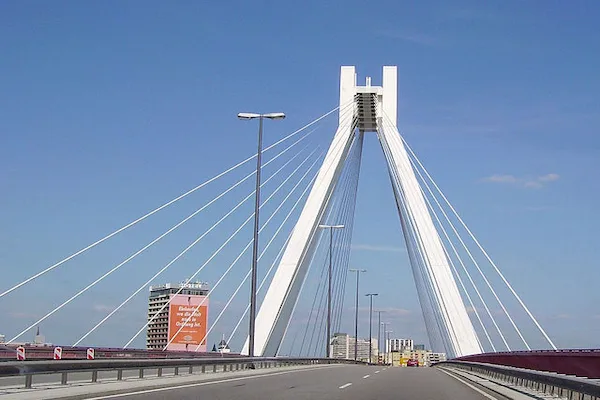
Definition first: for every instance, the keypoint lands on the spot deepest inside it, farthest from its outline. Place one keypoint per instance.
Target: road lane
(346, 382)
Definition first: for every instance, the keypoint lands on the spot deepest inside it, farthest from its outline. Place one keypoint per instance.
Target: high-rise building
(419, 347)
(178, 316)
(399, 345)
(342, 346)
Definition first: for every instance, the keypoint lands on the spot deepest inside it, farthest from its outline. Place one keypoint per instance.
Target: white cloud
(548, 178)
(370, 247)
(499, 178)
(102, 307)
(527, 182)
(416, 38)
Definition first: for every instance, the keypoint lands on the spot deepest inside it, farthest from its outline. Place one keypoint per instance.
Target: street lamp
(331, 228)
(358, 271)
(379, 333)
(371, 324)
(260, 117)
(390, 352)
(385, 324)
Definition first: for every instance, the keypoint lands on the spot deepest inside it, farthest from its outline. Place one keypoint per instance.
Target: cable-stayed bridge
(469, 306)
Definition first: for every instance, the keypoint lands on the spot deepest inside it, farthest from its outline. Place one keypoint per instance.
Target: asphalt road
(346, 382)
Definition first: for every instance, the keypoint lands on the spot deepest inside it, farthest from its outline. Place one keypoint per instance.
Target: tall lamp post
(331, 228)
(371, 324)
(390, 352)
(385, 324)
(358, 271)
(260, 117)
(379, 333)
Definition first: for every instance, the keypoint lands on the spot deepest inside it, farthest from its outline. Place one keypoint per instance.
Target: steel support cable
(311, 239)
(274, 262)
(343, 254)
(430, 282)
(454, 269)
(277, 258)
(157, 239)
(338, 147)
(337, 219)
(319, 309)
(250, 243)
(459, 258)
(143, 286)
(346, 261)
(432, 318)
(484, 252)
(353, 126)
(206, 263)
(143, 217)
(342, 192)
(449, 323)
(345, 118)
(349, 162)
(476, 265)
(322, 280)
(462, 326)
(250, 217)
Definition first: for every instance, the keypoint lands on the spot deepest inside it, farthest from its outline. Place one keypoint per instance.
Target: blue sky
(108, 109)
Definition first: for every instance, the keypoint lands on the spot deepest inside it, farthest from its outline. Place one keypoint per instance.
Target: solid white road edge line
(189, 385)
(489, 396)
(345, 386)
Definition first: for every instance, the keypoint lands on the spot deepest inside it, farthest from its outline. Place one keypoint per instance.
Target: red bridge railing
(578, 362)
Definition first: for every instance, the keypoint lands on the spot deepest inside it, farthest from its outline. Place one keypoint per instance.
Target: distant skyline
(109, 109)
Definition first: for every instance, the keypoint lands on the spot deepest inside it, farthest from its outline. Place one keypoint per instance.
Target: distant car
(412, 363)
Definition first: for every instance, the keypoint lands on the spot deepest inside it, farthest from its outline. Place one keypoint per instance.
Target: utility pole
(328, 341)
(371, 325)
(358, 271)
(379, 334)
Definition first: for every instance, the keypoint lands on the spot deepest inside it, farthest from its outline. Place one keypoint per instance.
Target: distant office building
(169, 307)
(419, 347)
(2, 339)
(342, 346)
(399, 345)
(435, 357)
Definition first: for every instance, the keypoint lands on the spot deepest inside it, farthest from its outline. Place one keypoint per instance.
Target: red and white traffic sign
(21, 353)
(90, 354)
(58, 353)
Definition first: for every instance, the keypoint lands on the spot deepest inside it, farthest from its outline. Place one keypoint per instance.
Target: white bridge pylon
(371, 109)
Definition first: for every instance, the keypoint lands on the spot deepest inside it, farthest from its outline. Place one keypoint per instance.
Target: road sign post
(90, 354)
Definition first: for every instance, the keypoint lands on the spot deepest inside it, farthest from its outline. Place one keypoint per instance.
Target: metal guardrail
(546, 382)
(28, 369)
